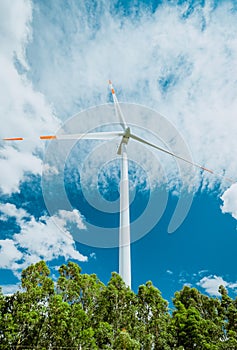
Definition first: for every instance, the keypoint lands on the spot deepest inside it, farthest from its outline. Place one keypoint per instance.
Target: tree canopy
(77, 311)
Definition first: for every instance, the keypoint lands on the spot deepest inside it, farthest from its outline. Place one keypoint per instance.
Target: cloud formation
(24, 111)
(229, 199)
(57, 61)
(212, 283)
(182, 65)
(40, 239)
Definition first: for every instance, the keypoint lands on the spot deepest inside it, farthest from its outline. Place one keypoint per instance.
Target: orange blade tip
(48, 137)
(13, 139)
(210, 171)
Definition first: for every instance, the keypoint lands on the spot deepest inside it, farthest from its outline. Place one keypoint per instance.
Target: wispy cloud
(93, 256)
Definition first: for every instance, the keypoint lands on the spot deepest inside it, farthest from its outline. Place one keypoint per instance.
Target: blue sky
(173, 59)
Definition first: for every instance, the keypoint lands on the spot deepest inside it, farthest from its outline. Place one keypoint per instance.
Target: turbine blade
(13, 139)
(139, 139)
(90, 136)
(48, 137)
(119, 152)
(107, 135)
(118, 110)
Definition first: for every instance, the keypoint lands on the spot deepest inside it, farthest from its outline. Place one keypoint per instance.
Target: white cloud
(202, 272)
(183, 67)
(232, 285)
(9, 254)
(24, 111)
(14, 24)
(8, 210)
(211, 284)
(38, 239)
(73, 216)
(93, 255)
(14, 163)
(9, 289)
(229, 199)
(50, 170)
(180, 67)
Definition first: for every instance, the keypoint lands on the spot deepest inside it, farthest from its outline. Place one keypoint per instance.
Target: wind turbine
(125, 135)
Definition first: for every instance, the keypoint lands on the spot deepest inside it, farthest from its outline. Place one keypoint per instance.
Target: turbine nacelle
(124, 140)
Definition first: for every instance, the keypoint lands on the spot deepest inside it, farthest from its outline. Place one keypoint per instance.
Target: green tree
(229, 315)
(117, 304)
(123, 341)
(79, 311)
(104, 335)
(79, 288)
(197, 319)
(155, 330)
(25, 312)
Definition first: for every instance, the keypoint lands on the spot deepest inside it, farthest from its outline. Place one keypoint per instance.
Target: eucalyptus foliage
(77, 311)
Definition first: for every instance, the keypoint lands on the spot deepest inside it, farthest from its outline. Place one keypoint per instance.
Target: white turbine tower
(124, 225)
(125, 135)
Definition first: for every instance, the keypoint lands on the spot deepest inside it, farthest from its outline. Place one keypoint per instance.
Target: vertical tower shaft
(124, 229)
